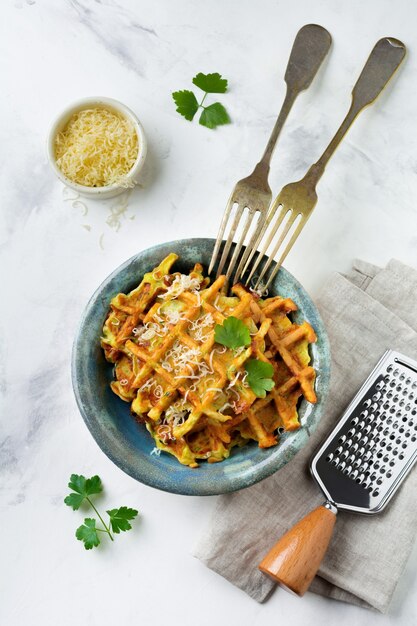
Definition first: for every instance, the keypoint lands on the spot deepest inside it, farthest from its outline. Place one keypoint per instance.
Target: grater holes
(376, 436)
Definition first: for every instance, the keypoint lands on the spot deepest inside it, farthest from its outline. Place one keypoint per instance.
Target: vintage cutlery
(296, 201)
(253, 193)
(359, 467)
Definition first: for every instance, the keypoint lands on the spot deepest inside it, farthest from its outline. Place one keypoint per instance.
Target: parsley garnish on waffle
(192, 393)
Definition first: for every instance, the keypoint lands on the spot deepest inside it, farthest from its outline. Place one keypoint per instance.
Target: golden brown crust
(190, 391)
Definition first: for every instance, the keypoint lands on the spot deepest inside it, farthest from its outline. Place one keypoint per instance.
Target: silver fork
(310, 47)
(296, 201)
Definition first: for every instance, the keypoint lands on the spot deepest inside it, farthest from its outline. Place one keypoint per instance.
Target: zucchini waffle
(191, 392)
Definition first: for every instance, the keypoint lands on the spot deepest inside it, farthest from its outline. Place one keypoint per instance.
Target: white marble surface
(53, 52)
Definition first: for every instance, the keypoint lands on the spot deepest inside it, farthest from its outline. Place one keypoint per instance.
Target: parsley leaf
(210, 83)
(232, 334)
(259, 376)
(88, 533)
(83, 487)
(119, 518)
(186, 102)
(214, 115)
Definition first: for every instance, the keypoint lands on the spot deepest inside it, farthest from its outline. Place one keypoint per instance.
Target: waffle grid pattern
(179, 400)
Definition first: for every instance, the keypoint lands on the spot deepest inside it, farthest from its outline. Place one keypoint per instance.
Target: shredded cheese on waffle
(193, 394)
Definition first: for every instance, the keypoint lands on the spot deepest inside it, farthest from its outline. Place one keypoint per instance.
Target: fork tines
(285, 224)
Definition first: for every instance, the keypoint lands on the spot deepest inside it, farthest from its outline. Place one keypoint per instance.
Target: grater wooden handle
(295, 558)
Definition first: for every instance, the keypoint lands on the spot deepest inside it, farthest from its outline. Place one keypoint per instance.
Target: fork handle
(381, 65)
(309, 49)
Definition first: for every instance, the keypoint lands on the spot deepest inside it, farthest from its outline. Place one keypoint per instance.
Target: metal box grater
(359, 467)
(374, 445)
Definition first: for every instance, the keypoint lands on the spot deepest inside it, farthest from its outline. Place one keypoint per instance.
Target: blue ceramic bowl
(127, 443)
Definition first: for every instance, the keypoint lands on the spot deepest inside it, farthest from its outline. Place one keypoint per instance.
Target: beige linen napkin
(365, 312)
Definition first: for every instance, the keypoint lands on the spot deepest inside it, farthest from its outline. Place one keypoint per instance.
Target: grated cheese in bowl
(97, 147)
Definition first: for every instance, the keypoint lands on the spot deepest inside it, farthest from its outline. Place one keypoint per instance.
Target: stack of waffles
(191, 392)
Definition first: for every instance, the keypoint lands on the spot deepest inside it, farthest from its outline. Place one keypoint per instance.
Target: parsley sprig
(212, 115)
(259, 376)
(82, 490)
(233, 334)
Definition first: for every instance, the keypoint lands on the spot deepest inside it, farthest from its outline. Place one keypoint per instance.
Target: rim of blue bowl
(247, 465)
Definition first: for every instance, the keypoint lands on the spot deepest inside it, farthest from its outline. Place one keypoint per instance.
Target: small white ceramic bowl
(110, 190)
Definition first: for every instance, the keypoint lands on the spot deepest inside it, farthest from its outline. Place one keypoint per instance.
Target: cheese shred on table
(96, 148)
